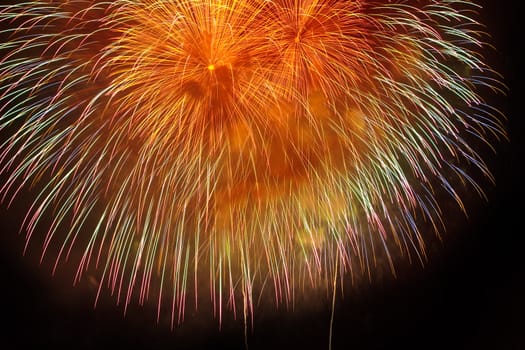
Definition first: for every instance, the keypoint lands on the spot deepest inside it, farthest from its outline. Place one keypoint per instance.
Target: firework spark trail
(255, 142)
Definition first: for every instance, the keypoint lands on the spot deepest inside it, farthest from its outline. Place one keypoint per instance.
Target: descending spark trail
(182, 145)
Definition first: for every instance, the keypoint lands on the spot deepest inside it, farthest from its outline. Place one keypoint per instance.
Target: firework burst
(238, 144)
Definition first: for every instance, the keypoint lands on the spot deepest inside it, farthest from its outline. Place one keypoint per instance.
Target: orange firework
(256, 142)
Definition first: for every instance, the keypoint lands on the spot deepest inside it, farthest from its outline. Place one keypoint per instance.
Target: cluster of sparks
(236, 146)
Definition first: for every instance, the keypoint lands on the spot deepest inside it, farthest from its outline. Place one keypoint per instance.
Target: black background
(471, 297)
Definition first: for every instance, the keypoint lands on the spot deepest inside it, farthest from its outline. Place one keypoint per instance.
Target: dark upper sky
(469, 298)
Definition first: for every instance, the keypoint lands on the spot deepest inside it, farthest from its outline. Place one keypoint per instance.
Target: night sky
(470, 295)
